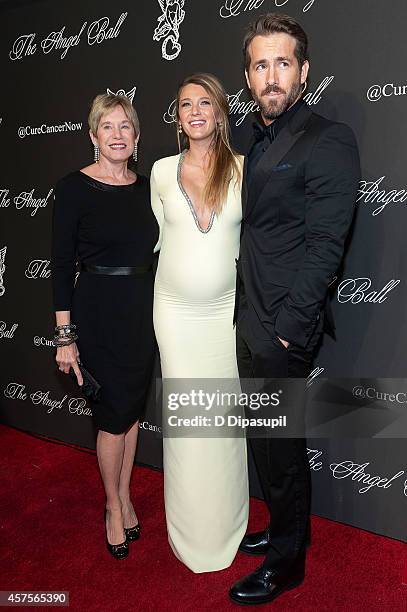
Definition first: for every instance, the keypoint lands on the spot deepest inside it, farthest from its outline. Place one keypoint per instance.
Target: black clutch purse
(90, 387)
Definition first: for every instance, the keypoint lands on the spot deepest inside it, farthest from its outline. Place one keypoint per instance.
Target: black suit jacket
(296, 216)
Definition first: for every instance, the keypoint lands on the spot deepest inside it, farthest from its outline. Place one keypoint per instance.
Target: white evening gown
(205, 479)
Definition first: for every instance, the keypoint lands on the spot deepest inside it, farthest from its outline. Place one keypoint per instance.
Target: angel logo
(121, 92)
(2, 269)
(168, 27)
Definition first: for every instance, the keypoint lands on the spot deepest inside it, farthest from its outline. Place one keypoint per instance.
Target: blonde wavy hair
(223, 163)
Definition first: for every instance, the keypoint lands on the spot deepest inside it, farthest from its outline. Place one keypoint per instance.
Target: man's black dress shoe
(256, 543)
(264, 585)
(259, 543)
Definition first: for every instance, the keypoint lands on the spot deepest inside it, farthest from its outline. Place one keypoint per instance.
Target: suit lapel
(244, 180)
(284, 141)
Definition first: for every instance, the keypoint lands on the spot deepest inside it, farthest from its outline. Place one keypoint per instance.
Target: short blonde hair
(103, 103)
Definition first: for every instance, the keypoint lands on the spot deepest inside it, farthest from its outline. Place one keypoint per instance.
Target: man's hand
(283, 342)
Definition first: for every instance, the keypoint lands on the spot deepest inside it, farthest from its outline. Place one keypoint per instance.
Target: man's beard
(272, 109)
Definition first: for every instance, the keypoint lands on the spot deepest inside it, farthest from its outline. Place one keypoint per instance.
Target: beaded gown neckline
(188, 199)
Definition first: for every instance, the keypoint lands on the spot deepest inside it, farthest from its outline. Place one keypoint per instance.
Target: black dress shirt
(265, 135)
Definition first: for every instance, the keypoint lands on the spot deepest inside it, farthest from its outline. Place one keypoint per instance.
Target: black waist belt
(116, 270)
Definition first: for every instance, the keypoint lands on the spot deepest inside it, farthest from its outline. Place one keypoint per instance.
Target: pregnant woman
(196, 197)
(103, 219)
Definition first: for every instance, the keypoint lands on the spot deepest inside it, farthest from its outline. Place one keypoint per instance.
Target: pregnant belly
(190, 280)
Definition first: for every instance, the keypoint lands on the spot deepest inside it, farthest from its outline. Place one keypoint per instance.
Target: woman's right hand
(67, 358)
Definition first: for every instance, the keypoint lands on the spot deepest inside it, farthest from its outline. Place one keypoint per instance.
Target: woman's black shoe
(132, 533)
(118, 551)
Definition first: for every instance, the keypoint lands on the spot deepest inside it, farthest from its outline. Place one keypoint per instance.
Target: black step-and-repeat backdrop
(55, 57)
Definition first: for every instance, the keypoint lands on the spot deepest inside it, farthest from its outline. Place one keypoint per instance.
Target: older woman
(103, 219)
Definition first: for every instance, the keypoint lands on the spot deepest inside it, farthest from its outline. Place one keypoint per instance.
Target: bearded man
(301, 177)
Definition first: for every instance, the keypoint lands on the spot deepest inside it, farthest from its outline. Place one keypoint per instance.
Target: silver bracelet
(58, 341)
(64, 330)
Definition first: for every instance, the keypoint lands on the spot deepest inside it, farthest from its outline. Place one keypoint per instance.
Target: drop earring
(179, 128)
(96, 153)
(135, 151)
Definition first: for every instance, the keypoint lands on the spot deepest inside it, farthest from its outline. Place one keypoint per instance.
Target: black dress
(108, 225)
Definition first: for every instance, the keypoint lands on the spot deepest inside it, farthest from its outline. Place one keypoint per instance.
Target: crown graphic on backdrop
(121, 92)
(2, 269)
(168, 27)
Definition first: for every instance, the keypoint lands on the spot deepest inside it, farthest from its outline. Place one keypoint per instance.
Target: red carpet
(52, 538)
